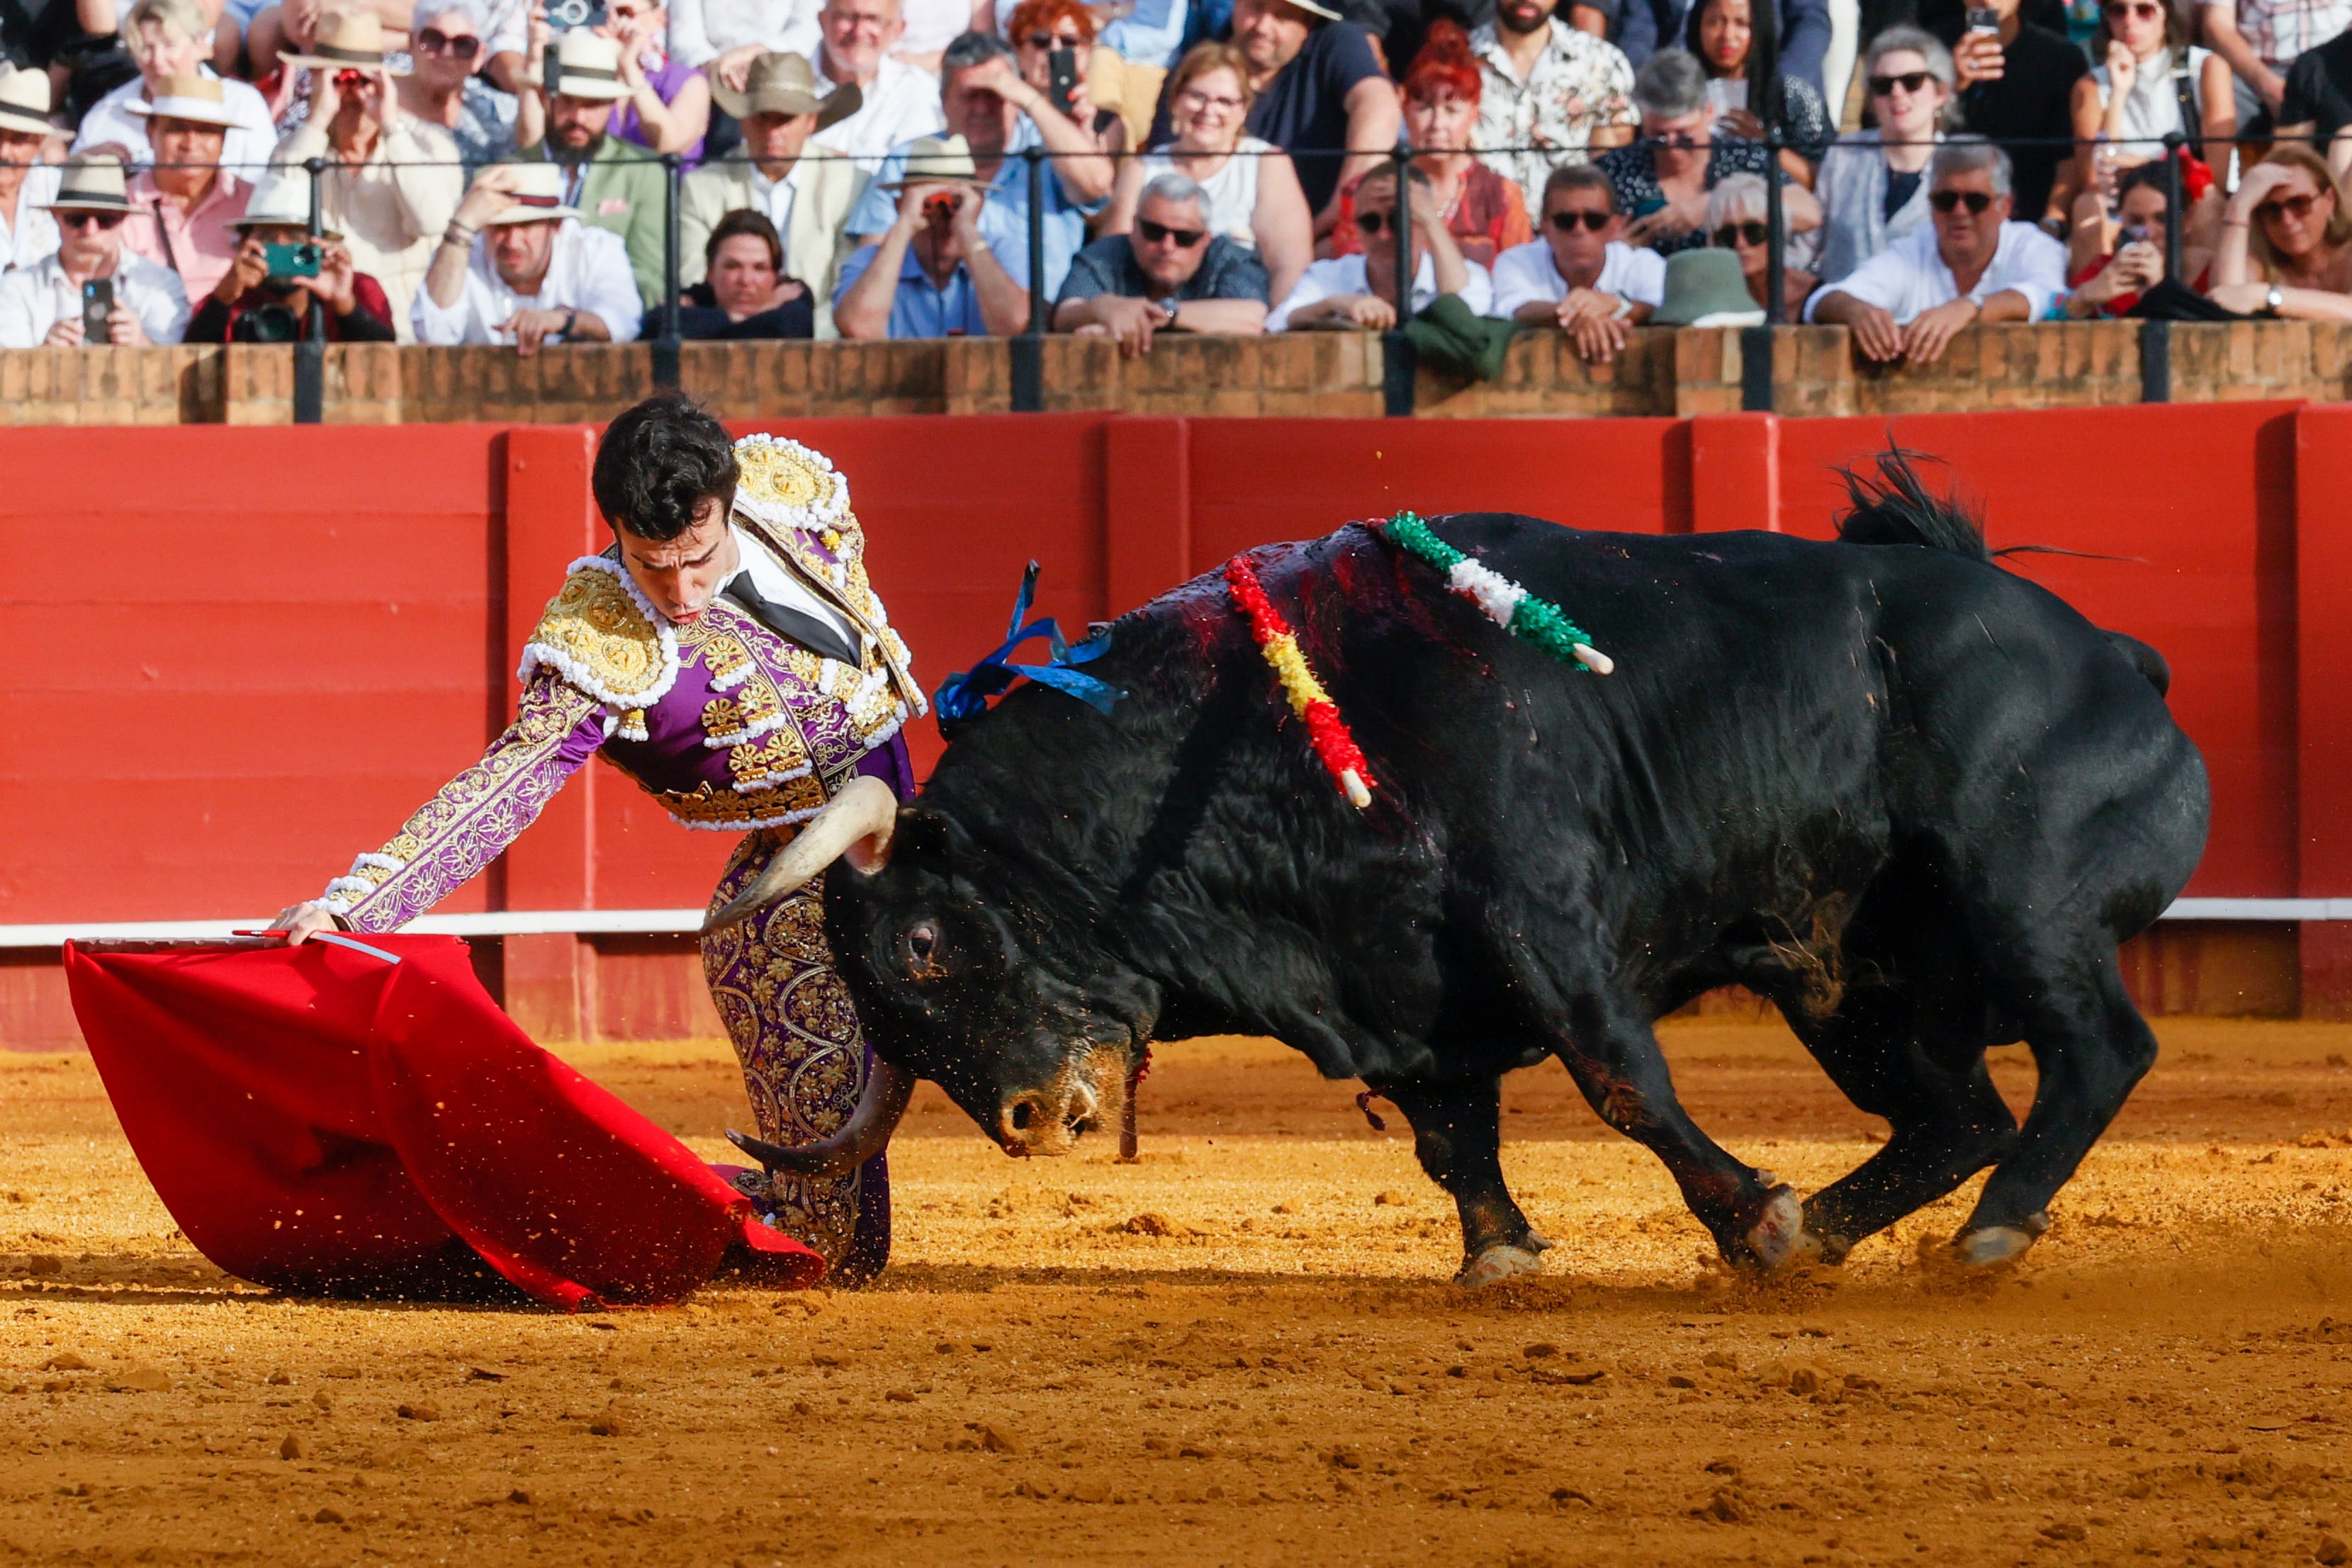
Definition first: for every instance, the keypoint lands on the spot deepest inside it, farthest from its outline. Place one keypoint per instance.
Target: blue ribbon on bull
(963, 697)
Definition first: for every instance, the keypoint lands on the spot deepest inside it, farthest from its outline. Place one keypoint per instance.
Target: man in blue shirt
(998, 117)
(934, 272)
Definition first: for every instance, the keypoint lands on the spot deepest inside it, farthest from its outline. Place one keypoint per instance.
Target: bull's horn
(856, 823)
(862, 1137)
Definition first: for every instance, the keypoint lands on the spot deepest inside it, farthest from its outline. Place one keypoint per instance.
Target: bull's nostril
(1021, 1113)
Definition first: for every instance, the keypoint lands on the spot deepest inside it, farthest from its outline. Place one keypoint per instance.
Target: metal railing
(1027, 348)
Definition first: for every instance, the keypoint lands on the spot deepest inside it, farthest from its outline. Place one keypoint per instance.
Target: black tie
(811, 632)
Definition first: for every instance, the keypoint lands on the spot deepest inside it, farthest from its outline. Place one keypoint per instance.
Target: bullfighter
(728, 654)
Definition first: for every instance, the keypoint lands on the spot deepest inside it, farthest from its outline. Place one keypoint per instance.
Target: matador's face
(681, 576)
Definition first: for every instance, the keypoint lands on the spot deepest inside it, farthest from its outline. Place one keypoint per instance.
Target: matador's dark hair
(659, 462)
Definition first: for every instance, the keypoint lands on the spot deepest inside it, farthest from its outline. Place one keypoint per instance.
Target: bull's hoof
(1777, 1239)
(1990, 1245)
(1499, 1263)
(1537, 1241)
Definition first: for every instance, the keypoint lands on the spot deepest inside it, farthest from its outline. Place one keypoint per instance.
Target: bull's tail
(1895, 509)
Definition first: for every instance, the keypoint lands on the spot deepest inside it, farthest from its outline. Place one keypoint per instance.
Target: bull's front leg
(1617, 1063)
(1457, 1132)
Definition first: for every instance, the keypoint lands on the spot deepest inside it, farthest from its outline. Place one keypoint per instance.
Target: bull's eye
(919, 945)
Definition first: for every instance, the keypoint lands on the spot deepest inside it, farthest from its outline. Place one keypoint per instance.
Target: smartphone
(97, 305)
(2130, 233)
(1064, 64)
(292, 260)
(1983, 19)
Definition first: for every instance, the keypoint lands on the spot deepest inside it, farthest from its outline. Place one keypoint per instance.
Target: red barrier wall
(239, 656)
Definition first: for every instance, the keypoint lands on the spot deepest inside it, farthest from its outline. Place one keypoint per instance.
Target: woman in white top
(1250, 192)
(1872, 184)
(2134, 98)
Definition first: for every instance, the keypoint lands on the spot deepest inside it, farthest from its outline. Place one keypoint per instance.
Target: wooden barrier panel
(244, 655)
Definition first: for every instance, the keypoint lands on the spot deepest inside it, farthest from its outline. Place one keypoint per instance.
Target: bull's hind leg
(1457, 1132)
(2090, 1047)
(1947, 1120)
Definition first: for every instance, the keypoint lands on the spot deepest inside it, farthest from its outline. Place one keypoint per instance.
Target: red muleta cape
(324, 1121)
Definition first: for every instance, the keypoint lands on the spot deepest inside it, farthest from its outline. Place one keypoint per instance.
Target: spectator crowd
(503, 171)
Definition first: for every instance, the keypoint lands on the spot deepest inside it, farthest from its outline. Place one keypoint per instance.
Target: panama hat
(25, 100)
(279, 203)
(537, 196)
(346, 40)
(1315, 8)
(783, 84)
(89, 183)
(1707, 289)
(588, 65)
(936, 160)
(198, 99)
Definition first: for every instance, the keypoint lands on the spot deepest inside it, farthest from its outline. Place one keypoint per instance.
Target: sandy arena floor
(1270, 1369)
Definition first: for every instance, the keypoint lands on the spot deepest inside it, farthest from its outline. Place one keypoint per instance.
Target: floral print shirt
(1580, 84)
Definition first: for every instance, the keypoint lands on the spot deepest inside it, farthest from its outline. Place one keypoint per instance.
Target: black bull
(1915, 800)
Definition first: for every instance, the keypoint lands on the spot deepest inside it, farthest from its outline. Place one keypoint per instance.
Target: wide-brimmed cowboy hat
(25, 100)
(936, 160)
(783, 84)
(588, 65)
(280, 202)
(1706, 288)
(198, 99)
(89, 183)
(538, 196)
(346, 40)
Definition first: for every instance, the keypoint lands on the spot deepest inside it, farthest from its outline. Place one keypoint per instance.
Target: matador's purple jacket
(732, 728)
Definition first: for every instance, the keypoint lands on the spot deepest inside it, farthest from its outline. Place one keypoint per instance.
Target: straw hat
(588, 65)
(198, 99)
(537, 196)
(89, 183)
(346, 40)
(783, 84)
(25, 100)
(278, 202)
(1707, 289)
(936, 160)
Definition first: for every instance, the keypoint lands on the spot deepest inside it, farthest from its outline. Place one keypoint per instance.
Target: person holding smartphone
(265, 297)
(94, 291)
(2017, 81)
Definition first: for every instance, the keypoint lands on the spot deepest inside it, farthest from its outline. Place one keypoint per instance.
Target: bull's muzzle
(1050, 1119)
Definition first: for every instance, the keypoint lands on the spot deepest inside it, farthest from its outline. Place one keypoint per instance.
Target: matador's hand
(303, 921)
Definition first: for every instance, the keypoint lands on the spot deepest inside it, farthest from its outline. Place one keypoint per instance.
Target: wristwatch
(1169, 305)
(2274, 301)
(571, 320)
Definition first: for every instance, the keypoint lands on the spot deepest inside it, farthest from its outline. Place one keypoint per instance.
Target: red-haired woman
(1039, 27)
(1484, 211)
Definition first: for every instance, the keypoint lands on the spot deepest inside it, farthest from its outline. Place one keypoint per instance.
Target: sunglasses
(1909, 81)
(2116, 10)
(1371, 222)
(1946, 200)
(1730, 235)
(99, 220)
(434, 42)
(1594, 222)
(1056, 41)
(2296, 207)
(1161, 234)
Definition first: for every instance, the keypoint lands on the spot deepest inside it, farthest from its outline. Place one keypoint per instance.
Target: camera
(563, 15)
(270, 323)
(293, 260)
(2131, 234)
(940, 208)
(348, 80)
